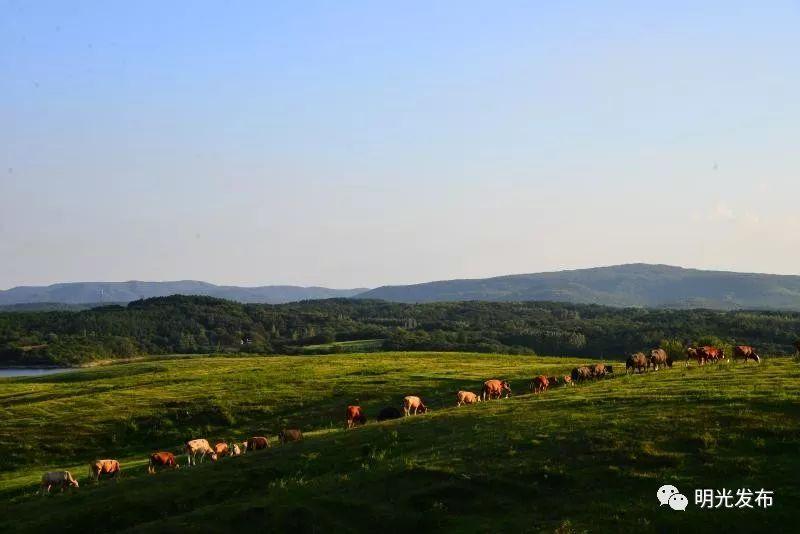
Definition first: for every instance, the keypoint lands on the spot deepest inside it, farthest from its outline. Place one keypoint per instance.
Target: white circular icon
(665, 492)
(678, 502)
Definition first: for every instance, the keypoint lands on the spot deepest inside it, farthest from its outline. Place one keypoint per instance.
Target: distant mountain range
(122, 292)
(637, 285)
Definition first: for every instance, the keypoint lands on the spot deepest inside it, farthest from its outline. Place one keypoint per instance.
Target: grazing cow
(746, 352)
(289, 434)
(221, 449)
(599, 370)
(554, 380)
(466, 397)
(540, 384)
(195, 447)
(104, 467)
(257, 443)
(355, 416)
(161, 459)
(493, 389)
(658, 357)
(59, 479)
(412, 402)
(637, 362)
(389, 412)
(581, 373)
(711, 354)
(693, 353)
(567, 379)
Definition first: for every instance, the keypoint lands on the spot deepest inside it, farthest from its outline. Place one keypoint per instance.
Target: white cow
(59, 479)
(195, 447)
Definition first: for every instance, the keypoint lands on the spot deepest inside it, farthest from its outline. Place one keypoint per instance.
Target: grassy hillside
(652, 286)
(584, 458)
(126, 408)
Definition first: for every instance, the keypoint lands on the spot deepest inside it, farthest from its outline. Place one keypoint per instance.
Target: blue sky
(363, 143)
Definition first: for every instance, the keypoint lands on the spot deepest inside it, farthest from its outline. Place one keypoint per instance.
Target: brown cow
(104, 467)
(637, 362)
(466, 397)
(290, 434)
(692, 353)
(554, 380)
(567, 379)
(581, 373)
(412, 402)
(746, 352)
(540, 384)
(711, 354)
(355, 416)
(599, 370)
(238, 450)
(161, 459)
(658, 357)
(221, 449)
(493, 389)
(60, 479)
(257, 443)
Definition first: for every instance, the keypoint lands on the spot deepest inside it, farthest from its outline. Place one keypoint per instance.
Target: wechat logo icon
(671, 496)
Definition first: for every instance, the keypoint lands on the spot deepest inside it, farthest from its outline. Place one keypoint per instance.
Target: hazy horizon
(267, 284)
(363, 145)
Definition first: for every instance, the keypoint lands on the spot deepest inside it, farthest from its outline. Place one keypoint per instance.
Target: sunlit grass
(591, 455)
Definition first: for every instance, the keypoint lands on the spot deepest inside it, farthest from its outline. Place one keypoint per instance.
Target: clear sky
(366, 143)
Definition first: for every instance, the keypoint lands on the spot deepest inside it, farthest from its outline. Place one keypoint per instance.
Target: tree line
(193, 324)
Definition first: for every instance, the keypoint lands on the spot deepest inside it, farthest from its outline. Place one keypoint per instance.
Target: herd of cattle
(197, 449)
(702, 355)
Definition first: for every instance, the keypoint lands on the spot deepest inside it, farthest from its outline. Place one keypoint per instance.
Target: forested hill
(180, 324)
(652, 286)
(123, 292)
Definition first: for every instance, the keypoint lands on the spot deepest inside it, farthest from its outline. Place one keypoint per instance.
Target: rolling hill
(122, 292)
(587, 458)
(632, 285)
(639, 285)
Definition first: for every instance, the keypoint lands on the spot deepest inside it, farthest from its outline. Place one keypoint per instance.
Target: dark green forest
(189, 325)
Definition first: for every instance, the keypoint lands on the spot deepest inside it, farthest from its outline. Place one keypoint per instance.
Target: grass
(587, 458)
(363, 345)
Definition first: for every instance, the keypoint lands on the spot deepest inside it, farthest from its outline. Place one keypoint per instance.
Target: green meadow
(587, 458)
